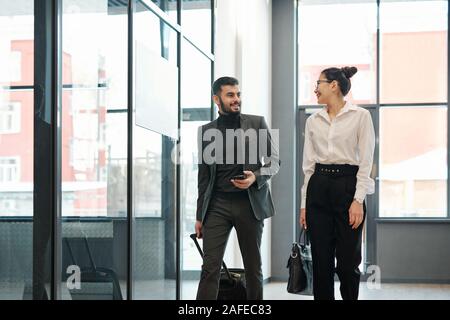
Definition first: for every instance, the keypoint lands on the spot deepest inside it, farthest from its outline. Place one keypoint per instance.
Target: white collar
(348, 106)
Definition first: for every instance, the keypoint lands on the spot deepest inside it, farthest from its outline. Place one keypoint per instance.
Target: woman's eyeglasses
(319, 81)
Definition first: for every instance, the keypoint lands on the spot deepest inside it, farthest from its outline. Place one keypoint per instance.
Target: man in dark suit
(233, 145)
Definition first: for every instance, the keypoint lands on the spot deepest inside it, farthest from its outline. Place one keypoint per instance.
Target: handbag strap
(303, 238)
(294, 251)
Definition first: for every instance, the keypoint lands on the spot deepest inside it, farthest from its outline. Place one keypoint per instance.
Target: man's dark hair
(224, 81)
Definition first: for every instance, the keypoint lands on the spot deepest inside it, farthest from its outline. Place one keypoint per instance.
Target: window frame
(377, 107)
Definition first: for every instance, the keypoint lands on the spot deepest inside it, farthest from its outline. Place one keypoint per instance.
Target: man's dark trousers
(228, 210)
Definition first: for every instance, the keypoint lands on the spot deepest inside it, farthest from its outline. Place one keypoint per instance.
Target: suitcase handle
(194, 237)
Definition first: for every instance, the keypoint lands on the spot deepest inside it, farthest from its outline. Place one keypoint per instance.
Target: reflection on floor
(165, 290)
(388, 291)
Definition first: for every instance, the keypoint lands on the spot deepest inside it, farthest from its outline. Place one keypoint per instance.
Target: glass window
(195, 79)
(16, 148)
(116, 169)
(9, 170)
(12, 66)
(196, 22)
(154, 170)
(413, 53)
(196, 107)
(93, 60)
(155, 35)
(10, 118)
(168, 6)
(147, 173)
(94, 71)
(413, 162)
(191, 260)
(339, 33)
(156, 79)
(16, 66)
(154, 188)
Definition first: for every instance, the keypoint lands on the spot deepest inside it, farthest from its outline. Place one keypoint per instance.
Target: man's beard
(227, 110)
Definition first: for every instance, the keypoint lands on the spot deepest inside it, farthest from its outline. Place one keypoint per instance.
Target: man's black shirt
(226, 171)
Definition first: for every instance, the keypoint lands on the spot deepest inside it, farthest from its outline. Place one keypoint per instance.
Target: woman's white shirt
(347, 139)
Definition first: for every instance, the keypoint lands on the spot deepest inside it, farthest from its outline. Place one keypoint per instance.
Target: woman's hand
(356, 214)
(303, 218)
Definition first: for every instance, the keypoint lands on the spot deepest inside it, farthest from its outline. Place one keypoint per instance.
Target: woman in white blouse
(337, 161)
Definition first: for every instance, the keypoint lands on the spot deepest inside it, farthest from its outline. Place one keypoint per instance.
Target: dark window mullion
(130, 122)
(47, 161)
(57, 153)
(448, 113)
(178, 222)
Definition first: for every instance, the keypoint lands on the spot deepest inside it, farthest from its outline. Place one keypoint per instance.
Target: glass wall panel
(196, 108)
(16, 148)
(195, 82)
(156, 102)
(413, 162)
(337, 34)
(196, 22)
(154, 217)
(155, 35)
(168, 6)
(94, 149)
(154, 173)
(191, 260)
(413, 53)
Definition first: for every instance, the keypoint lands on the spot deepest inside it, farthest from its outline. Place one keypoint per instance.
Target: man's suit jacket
(259, 192)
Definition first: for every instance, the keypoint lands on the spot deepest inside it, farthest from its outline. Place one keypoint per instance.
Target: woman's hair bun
(349, 71)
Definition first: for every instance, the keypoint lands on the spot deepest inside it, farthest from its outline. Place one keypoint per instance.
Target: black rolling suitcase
(232, 281)
(97, 283)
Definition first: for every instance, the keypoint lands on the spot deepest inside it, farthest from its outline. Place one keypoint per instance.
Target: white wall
(243, 49)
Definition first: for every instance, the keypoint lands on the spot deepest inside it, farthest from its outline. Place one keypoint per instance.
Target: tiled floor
(388, 291)
(165, 290)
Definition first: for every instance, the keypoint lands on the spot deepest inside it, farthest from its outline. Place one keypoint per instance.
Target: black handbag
(300, 266)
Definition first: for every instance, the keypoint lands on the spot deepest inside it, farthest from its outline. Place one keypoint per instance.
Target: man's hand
(198, 229)
(356, 214)
(303, 218)
(245, 183)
